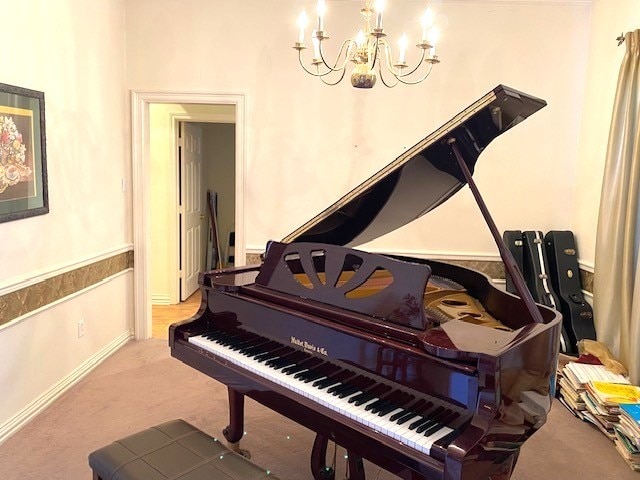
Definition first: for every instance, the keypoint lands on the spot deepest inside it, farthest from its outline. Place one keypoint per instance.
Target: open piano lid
(420, 179)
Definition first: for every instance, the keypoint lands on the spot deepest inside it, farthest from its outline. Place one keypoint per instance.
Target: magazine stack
(606, 400)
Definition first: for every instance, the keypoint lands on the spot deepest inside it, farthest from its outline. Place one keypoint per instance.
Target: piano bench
(174, 450)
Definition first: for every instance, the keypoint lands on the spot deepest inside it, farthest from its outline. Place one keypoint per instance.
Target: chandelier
(368, 50)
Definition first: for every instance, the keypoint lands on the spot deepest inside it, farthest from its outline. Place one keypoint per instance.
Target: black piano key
(361, 384)
(307, 364)
(418, 422)
(441, 423)
(425, 419)
(396, 399)
(374, 392)
(428, 425)
(332, 379)
(383, 400)
(249, 342)
(410, 411)
(262, 348)
(347, 387)
(281, 360)
(321, 371)
(277, 352)
(250, 349)
(449, 437)
(431, 419)
(337, 388)
(348, 391)
(388, 409)
(406, 417)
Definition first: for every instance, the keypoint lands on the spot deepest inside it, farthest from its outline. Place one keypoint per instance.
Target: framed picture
(23, 158)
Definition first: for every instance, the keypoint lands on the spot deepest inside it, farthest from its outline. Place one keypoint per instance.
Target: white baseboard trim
(28, 413)
(160, 299)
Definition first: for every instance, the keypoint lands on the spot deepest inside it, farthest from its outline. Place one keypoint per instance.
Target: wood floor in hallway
(164, 315)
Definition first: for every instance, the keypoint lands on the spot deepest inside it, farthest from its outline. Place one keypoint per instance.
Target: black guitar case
(536, 274)
(565, 276)
(513, 241)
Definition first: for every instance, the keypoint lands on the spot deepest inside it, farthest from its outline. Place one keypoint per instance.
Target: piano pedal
(325, 473)
(235, 447)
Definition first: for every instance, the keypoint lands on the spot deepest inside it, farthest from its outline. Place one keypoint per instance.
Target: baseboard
(160, 299)
(28, 413)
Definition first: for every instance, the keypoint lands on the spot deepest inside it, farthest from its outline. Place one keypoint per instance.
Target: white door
(191, 209)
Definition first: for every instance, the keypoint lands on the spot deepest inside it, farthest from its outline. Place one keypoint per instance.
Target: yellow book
(614, 393)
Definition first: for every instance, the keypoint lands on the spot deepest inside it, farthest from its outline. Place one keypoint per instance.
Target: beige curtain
(617, 267)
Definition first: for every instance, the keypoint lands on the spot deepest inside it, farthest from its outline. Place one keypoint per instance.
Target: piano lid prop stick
(507, 257)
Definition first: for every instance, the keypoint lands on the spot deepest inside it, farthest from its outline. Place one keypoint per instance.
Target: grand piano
(422, 367)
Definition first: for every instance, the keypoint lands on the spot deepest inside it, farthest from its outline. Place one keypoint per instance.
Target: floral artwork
(23, 157)
(13, 158)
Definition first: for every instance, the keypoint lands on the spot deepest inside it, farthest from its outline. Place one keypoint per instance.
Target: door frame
(141, 188)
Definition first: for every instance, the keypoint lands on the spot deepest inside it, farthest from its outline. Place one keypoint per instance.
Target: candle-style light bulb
(322, 10)
(403, 42)
(379, 9)
(432, 38)
(302, 24)
(427, 22)
(316, 45)
(360, 38)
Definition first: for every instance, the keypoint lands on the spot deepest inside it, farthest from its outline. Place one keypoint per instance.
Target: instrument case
(565, 277)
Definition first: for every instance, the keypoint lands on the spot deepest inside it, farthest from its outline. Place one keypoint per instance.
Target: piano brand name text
(308, 346)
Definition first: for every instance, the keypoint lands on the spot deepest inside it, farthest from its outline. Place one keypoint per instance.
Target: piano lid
(421, 178)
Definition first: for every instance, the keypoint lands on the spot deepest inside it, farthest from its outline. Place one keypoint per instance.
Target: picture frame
(23, 158)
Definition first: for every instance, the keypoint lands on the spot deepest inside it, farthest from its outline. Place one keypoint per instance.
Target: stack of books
(573, 380)
(608, 401)
(628, 434)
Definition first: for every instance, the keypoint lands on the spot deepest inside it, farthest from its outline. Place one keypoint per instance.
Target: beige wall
(73, 51)
(164, 228)
(307, 143)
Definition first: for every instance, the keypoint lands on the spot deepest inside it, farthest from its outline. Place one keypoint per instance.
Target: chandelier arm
(335, 65)
(400, 75)
(384, 82)
(415, 82)
(318, 74)
(375, 52)
(333, 83)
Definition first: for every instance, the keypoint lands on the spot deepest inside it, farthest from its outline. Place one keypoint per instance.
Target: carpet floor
(141, 385)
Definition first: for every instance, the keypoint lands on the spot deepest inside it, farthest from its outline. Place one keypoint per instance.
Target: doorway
(143, 226)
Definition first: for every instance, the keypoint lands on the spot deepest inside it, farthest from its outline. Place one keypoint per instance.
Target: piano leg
(356, 467)
(319, 467)
(234, 431)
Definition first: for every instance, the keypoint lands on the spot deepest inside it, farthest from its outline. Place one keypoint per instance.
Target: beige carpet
(141, 385)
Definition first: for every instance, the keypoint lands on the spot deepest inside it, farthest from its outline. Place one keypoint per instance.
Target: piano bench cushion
(174, 450)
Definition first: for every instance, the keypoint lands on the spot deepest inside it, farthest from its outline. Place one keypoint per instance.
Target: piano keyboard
(415, 422)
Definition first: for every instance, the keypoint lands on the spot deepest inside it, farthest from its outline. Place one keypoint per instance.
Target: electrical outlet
(81, 331)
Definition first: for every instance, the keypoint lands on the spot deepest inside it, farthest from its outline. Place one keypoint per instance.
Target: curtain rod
(620, 39)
